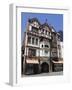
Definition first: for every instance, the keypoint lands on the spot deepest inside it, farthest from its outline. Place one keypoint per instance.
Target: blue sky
(56, 20)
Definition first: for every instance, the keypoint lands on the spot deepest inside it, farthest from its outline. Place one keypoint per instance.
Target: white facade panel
(30, 27)
(37, 52)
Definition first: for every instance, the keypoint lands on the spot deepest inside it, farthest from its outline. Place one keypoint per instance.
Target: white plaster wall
(30, 27)
(37, 52)
(42, 51)
(61, 50)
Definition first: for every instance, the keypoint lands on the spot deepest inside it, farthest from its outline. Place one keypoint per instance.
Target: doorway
(44, 67)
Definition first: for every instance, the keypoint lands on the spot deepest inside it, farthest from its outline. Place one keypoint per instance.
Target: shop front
(32, 67)
(57, 66)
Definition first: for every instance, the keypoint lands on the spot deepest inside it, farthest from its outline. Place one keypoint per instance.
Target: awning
(32, 61)
(57, 61)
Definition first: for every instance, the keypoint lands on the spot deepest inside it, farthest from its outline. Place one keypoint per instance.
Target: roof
(33, 20)
(58, 34)
(45, 24)
(53, 29)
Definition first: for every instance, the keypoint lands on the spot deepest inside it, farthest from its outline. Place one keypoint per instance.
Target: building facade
(41, 48)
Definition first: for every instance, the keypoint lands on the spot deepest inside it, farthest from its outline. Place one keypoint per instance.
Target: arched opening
(44, 67)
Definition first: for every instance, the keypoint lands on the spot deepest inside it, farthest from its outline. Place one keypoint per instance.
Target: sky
(56, 20)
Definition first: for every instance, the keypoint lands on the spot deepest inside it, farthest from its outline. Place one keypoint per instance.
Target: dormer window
(34, 29)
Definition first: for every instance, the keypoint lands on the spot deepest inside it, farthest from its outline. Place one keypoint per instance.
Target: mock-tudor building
(41, 48)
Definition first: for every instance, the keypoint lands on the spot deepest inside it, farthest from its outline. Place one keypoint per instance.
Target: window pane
(32, 40)
(29, 39)
(36, 41)
(46, 52)
(32, 52)
(34, 29)
(46, 46)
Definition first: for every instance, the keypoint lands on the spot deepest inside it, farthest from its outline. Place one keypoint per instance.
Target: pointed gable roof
(53, 29)
(34, 20)
(45, 25)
